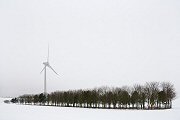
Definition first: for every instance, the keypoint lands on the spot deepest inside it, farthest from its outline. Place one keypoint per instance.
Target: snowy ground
(27, 112)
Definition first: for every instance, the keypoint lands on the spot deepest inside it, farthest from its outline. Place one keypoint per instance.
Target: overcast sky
(92, 43)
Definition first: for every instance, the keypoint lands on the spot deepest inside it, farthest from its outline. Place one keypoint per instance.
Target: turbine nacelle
(46, 63)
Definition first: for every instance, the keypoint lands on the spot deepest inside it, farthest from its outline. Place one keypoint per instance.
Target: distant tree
(29, 99)
(135, 99)
(125, 98)
(48, 99)
(108, 97)
(14, 100)
(151, 91)
(103, 95)
(6, 101)
(169, 90)
(115, 97)
(119, 97)
(94, 98)
(141, 95)
(143, 100)
(161, 98)
(42, 98)
(35, 99)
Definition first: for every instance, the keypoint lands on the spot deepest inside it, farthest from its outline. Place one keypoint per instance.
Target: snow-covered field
(27, 112)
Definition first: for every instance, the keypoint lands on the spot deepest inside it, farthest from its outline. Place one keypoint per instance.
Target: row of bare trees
(152, 95)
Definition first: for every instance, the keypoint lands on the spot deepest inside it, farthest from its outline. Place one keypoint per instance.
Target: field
(28, 112)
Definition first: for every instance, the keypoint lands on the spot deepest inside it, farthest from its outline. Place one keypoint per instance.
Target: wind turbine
(46, 64)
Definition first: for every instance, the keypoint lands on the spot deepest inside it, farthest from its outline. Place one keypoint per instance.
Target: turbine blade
(53, 70)
(48, 54)
(42, 69)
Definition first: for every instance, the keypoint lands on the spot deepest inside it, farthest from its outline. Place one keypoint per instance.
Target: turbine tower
(46, 64)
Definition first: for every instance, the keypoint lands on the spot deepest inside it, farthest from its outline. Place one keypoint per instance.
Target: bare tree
(169, 90)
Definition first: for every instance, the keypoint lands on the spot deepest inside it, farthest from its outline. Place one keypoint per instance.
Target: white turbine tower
(46, 64)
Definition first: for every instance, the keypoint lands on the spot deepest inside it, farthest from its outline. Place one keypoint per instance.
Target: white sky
(92, 43)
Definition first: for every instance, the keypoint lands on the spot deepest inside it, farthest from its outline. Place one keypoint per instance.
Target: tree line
(152, 95)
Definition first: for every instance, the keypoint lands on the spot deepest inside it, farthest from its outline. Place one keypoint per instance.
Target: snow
(29, 112)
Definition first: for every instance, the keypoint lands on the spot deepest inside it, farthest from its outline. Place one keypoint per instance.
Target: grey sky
(92, 43)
